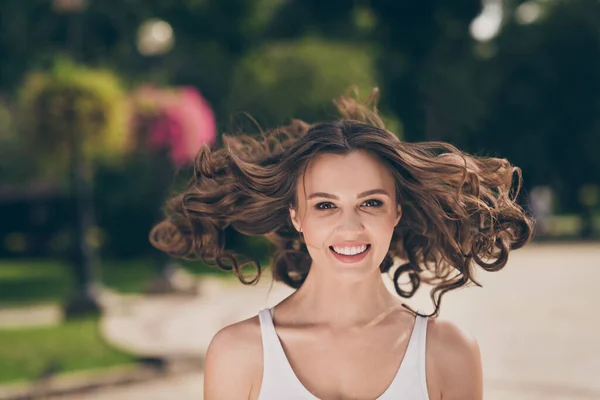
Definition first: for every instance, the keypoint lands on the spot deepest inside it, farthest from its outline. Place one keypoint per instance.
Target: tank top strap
(418, 336)
(421, 348)
(278, 374)
(410, 377)
(267, 331)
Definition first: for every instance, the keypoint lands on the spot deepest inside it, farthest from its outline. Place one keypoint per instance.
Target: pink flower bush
(178, 120)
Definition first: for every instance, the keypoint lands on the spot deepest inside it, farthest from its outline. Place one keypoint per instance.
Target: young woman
(343, 201)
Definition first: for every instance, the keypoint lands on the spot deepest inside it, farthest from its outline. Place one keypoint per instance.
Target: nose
(350, 222)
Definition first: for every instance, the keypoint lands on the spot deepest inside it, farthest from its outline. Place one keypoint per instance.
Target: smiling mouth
(351, 255)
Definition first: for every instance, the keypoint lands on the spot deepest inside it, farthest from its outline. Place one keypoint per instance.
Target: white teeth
(350, 251)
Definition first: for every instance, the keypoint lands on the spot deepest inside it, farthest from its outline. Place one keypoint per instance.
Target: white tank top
(280, 382)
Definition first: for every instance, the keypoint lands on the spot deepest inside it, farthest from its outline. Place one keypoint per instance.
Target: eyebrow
(363, 194)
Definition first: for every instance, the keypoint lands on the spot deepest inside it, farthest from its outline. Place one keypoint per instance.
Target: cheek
(383, 230)
(318, 233)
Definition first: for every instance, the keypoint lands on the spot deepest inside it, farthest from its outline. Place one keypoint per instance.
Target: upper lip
(350, 244)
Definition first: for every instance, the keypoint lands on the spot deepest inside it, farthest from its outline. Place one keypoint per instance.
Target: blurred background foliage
(303, 75)
(527, 89)
(72, 98)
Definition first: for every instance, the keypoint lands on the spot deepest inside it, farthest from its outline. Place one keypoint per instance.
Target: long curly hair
(458, 209)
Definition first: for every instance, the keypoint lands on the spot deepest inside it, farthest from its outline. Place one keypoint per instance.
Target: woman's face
(347, 202)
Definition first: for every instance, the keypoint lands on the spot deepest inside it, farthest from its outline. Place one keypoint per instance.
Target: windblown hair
(458, 209)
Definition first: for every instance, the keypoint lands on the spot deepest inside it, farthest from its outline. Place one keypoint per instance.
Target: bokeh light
(155, 37)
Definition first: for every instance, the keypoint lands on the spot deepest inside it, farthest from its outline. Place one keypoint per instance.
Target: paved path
(180, 387)
(535, 321)
(184, 325)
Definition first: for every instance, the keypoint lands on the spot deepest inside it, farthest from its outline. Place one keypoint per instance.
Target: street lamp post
(84, 259)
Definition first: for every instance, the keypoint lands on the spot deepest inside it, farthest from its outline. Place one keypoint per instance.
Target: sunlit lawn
(73, 345)
(37, 281)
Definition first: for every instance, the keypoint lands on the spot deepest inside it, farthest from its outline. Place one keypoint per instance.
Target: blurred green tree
(299, 79)
(544, 103)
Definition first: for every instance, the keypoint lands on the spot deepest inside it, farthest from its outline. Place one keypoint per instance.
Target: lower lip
(351, 259)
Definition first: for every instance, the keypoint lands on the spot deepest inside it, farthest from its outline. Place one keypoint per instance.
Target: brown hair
(457, 208)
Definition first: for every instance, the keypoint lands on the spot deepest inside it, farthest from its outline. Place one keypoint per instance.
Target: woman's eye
(371, 203)
(319, 206)
(377, 202)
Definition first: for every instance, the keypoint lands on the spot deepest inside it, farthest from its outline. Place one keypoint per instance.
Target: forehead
(354, 172)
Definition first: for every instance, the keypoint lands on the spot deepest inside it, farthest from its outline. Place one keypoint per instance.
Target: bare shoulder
(452, 340)
(454, 361)
(234, 351)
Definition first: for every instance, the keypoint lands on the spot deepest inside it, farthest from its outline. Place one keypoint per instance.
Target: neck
(336, 302)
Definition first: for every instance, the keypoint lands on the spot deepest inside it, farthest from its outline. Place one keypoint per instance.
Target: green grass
(73, 345)
(39, 281)
(570, 226)
(23, 282)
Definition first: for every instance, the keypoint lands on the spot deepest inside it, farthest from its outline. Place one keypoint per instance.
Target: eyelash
(317, 206)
